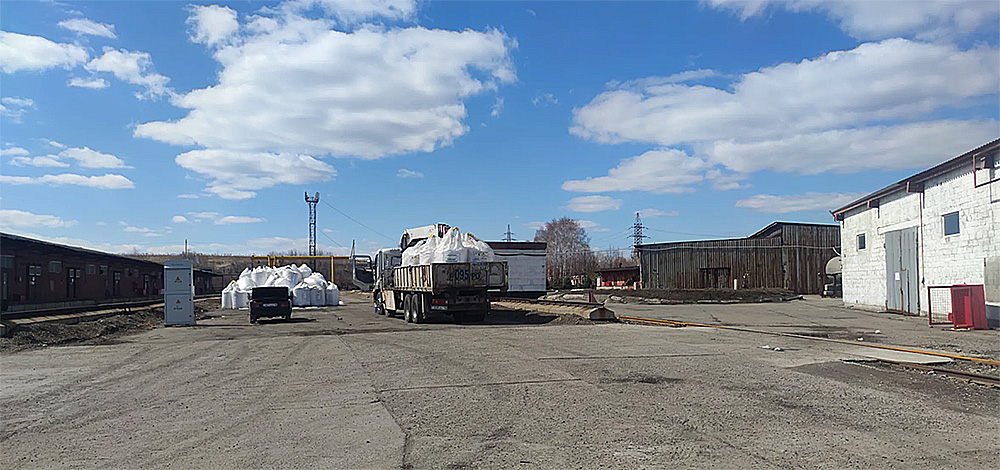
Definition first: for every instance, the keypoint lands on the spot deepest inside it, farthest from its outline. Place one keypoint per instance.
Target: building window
(951, 223)
(91, 269)
(7, 262)
(55, 266)
(104, 270)
(861, 241)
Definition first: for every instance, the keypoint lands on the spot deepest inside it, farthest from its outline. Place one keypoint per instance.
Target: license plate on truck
(270, 304)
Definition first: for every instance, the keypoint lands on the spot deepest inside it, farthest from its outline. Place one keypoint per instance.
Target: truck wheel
(408, 308)
(418, 309)
(253, 319)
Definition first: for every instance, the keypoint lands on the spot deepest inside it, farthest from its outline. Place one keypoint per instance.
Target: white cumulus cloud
(591, 225)
(212, 24)
(14, 152)
(300, 87)
(86, 26)
(404, 173)
(810, 201)
(805, 117)
(179, 219)
(658, 171)
(14, 107)
(19, 52)
(650, 213)
(92, 83)
(236, 175)
(593, 204)
(12, 218)
(108, 181)
(238, 219)
(875, 19)
(83, 156)
(132, 67)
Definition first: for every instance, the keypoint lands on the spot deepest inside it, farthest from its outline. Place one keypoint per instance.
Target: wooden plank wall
(793, 257)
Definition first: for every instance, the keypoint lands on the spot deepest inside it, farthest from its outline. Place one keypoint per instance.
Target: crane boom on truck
(422, 290)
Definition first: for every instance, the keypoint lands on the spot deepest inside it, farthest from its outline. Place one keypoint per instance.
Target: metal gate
(901, 277)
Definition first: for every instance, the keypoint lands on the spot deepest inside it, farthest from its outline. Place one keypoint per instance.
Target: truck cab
(385, 260)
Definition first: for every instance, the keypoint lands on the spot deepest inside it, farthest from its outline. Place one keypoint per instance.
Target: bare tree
(614, 258)
(568, 253)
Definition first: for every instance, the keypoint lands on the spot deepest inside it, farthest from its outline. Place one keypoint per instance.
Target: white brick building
(938, 227)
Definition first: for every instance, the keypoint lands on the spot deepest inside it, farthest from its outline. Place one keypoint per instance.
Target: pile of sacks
(453, 247)
(308, 289)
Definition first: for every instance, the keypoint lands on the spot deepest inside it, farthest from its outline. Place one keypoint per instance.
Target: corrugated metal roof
(957, 162)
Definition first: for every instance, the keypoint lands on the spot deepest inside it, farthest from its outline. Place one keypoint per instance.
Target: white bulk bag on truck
(332, 294)
(450, 248)
(479, 251)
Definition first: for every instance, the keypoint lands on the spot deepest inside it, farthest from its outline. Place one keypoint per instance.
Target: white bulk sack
(315, 280)
(317, 296)
(259, 275)
(300, 296)
(450, 248)
(421, 253)
(332, 294)
(227, 295)
(305, 271)
(479, 251)
(241, 299)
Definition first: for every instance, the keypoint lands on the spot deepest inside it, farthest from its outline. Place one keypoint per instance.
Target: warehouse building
(936, 228)
(622, 277)
(36, 274)
(787, 255)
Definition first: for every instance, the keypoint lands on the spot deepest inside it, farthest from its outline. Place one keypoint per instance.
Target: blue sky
(136, 125)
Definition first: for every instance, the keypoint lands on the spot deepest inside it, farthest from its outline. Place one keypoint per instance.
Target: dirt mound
(100, 331)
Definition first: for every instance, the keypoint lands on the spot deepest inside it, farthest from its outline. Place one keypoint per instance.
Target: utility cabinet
(178, 292)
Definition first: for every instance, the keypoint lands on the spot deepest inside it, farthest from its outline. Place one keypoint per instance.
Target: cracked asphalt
(344, 388)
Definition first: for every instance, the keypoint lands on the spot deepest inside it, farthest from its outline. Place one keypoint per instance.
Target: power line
(332, 240)
(357, 222)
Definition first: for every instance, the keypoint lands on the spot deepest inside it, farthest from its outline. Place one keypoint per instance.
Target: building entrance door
(901, 278)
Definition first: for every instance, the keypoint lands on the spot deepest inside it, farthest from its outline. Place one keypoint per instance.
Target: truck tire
(408, 308)
(253, 319)
(418, 308)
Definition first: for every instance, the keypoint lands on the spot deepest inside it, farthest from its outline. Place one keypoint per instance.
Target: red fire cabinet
(968, 306)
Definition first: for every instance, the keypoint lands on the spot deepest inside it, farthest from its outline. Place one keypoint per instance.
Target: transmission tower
(312, 201)
(508, 235)
(637, 235)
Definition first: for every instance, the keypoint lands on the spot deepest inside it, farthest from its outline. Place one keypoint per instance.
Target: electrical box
(178, 292)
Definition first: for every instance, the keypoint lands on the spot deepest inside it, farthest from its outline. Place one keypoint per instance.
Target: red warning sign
(178, 279)
(178, 301)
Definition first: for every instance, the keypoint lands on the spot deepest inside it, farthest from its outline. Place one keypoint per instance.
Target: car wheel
(418, 314)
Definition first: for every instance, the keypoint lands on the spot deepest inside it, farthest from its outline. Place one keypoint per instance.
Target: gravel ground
(344, 388)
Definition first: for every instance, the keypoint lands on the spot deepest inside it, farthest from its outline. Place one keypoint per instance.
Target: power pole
(312, 201)
(637, 235)
(508, 235)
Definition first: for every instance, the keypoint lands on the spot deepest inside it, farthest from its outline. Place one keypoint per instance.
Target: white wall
(525, 269)
(946, 260)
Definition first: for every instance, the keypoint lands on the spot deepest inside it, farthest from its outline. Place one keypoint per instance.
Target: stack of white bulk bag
(308, 288)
